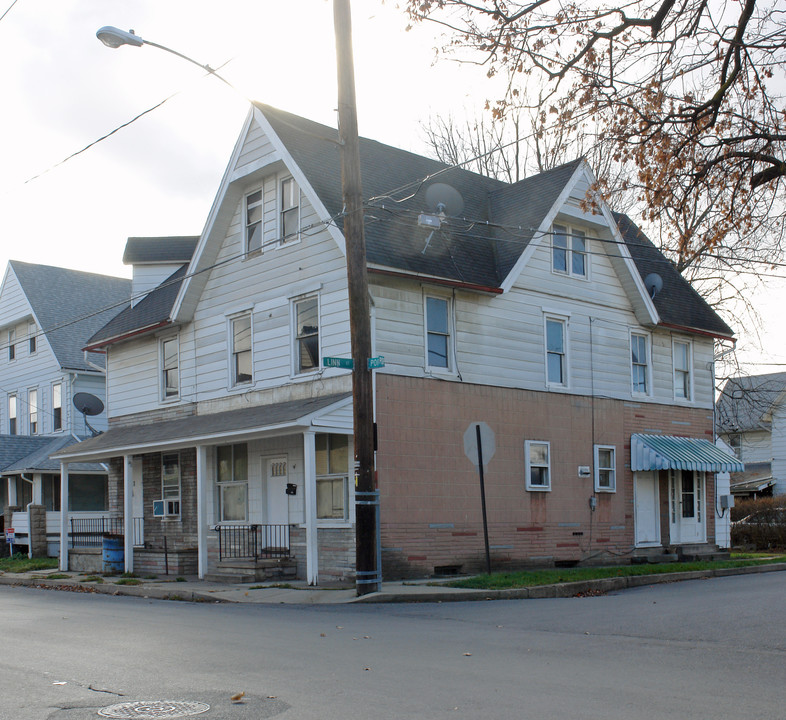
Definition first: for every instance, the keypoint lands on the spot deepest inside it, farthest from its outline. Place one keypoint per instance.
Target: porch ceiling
(666, 452)
(228, 426)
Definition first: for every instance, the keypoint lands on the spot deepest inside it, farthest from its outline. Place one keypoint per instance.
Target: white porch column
(201, 483)
(12, 499)
(64, 516)
(38, 495)
(128, 513)
(310, 498)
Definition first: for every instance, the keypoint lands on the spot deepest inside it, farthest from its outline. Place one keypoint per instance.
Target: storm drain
(153, 709)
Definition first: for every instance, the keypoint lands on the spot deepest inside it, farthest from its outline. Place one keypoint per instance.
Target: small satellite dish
(444, 199)
(88, 404)
(654, 284)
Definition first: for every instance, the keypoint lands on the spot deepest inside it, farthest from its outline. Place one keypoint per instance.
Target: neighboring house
(46, 316)
(751, 420)
(521, 309)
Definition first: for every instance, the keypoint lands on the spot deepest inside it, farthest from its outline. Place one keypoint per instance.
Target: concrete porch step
(250, 570)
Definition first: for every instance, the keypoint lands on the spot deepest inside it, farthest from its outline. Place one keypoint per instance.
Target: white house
(562, 328)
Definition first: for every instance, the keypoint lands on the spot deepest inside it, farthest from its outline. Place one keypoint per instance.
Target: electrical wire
(8, 10)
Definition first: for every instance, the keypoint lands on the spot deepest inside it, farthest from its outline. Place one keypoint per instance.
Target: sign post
(478, 435)
(9, 538)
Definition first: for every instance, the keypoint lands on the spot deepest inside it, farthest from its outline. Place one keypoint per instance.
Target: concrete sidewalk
(297, 592)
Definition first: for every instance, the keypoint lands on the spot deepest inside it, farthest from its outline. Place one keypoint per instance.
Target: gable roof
(151, 312)
(69, 306)
(160, 250)
(746, 402)
(678, 303)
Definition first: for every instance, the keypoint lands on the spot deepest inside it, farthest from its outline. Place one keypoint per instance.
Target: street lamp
(114, 37)
(367, 564)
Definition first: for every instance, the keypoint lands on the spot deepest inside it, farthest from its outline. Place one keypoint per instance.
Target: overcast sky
(62, 90)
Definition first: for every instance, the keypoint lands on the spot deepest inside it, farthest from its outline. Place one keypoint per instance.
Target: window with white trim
(537, 455)
(170, 368)
(31, 338)
(170, 483)
(232, 482)
(306, 340)
(57, 407)
(332, 471)
(253, 224)
(32, 407)
(639, 363)
(681, 352)
(556, 351)
(12, 415)
(605, 468)
(569, 251)
(290, 210)
(438, 337)
(240, 341)
(12, 344)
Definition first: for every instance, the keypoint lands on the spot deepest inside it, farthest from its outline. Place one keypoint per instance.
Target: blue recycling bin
(113, 553)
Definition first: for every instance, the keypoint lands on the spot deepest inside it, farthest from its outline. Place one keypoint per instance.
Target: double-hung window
(682, 370)
(556, 351)
(332, 471)
(537, 454)
(605, 468)
(306, 349)
(639, 363)
(232, 482)
(254, 212)
(240, 330)
(569, 251)
(11, 344)
(170, 483)
(170, 370)
(57, 407)
(12, 415)
(32, 406)
(31, 338)
(437, 332)
(290, 210)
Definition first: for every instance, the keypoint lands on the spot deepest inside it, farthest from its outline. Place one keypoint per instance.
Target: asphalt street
(699, 649)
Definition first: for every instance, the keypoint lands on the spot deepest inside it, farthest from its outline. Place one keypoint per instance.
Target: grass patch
(56, 576)
(93, 578)
(282, 586)
(530, 578)
(129, 575)
(180, 579)
(21, 563)
(128, 581)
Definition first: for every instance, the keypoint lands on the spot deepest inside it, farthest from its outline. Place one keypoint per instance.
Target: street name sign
(336, 362)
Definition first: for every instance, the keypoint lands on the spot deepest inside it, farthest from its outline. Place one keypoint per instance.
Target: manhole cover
(153, 709)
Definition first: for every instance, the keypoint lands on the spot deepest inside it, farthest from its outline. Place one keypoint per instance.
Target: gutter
(438, 281)
(696, 331)
(125, 336)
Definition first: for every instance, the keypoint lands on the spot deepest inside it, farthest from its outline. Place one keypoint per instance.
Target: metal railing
(252, 541)
(88, 532)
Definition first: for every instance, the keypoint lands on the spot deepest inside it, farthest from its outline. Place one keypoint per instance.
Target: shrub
(761, 523)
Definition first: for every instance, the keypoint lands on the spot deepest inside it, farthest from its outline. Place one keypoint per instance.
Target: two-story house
(751, 419)
(561, 327)
(46, 316)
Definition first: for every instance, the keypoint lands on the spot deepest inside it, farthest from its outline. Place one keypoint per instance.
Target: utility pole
(366, 496)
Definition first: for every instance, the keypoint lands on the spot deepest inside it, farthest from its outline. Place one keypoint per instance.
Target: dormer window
(569, 251)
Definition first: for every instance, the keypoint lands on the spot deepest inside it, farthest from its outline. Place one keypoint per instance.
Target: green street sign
(335, 362)
(376, 362)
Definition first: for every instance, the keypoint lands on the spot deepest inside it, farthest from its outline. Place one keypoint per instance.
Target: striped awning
(666, 452)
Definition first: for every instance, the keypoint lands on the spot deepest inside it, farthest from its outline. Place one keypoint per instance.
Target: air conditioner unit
(166, 508)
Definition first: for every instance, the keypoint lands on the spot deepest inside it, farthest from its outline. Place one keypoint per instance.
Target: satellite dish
(88, 404)
(444, 199)
(654, 284)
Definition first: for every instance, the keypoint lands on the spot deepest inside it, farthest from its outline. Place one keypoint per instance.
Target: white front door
(686, 506)
(277, 510)
(647, 517)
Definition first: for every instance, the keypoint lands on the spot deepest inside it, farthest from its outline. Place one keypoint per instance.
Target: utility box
(726, 502)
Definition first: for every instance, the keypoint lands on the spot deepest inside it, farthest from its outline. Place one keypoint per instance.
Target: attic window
(569, 251)
(254, 221)
(290, 210)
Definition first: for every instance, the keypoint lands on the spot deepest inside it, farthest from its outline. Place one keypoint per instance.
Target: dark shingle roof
(60, 297)
(154, 250)
(29, 453)
(151, 311)
(677, 303)
(744, 401)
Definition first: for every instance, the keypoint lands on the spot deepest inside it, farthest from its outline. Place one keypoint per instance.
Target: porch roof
(30, 453)
(667, 452)
(210, 428)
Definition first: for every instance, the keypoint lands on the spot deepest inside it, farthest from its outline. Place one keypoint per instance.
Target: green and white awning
(667, 452)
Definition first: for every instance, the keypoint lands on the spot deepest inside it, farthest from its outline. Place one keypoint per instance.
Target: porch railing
(88, 532)
(252, 541)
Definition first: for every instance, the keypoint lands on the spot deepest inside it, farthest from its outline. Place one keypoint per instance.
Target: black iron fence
(252, 541)
(88, 532)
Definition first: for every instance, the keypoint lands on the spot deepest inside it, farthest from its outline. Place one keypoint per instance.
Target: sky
(62, 90)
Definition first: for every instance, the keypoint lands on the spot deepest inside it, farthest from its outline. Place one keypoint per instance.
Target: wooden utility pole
(368, 574)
